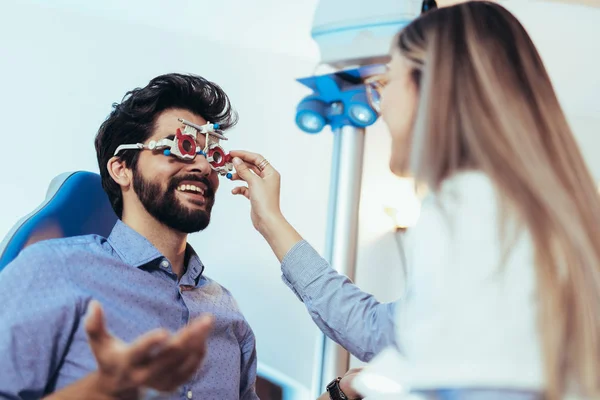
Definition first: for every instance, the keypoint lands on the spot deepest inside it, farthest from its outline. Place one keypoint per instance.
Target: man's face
(178, 193)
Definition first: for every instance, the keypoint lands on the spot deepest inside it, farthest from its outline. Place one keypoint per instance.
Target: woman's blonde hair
(486, 102)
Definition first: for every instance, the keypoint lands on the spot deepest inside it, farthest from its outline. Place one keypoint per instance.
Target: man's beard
(167, 208)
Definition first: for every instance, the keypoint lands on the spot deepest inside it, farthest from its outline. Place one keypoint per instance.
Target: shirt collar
(194, 267)
(136, 250)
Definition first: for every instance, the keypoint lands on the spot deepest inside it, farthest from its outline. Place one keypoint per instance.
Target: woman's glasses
(374, 86)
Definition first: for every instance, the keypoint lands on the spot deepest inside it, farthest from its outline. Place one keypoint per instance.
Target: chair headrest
(75, 205)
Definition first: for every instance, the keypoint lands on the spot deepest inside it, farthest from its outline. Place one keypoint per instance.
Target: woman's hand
(263, 191)
(346, 383)
(346, 386)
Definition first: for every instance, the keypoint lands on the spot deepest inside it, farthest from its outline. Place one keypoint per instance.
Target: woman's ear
(119, 172)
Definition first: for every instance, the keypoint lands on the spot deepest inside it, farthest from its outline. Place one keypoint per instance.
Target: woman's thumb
(242, 170)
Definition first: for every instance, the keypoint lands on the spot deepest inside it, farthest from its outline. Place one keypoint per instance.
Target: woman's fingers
(247, 156)
(260, 162)
(243, 172)
(244, 191)
(252, 167)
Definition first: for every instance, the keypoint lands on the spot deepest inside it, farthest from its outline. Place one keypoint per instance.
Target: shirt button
(164, 264)
(189, 394)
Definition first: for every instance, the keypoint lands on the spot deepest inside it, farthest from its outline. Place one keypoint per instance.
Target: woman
(504, 283)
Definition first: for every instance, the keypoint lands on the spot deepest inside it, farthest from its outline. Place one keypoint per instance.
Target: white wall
(64, 64)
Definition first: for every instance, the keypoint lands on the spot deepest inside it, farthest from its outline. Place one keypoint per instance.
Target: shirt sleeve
(347, 315)
(248, 372)
(39, 314)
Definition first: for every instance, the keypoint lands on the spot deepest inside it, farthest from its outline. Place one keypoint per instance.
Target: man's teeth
(190, 188)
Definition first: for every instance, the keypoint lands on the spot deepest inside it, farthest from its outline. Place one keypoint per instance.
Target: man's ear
(119, 172)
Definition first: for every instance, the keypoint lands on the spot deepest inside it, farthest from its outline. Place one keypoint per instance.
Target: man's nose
(200, 165)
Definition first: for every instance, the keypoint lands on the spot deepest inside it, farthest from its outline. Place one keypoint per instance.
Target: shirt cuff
(300, 266)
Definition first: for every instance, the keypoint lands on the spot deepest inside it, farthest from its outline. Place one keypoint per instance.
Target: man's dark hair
(133, 120)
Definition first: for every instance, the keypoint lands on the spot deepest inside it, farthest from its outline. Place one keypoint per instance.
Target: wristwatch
(335, 393)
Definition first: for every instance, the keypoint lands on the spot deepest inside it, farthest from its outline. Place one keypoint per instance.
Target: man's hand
(346, 384)
(157, 360)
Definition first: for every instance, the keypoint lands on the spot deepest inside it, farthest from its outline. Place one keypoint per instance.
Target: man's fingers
(191, 338)
(94, 324)
(188, 368)
(197, 332)
(95, 327)
(146, 347)
(173, 367)
(163, 368)
(188, 344)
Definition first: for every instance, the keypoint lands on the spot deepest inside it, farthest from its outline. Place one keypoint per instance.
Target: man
(145, 275)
